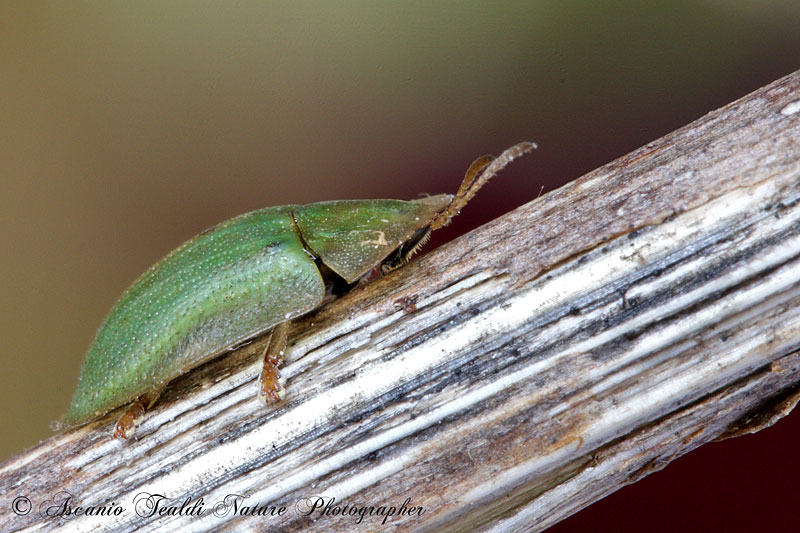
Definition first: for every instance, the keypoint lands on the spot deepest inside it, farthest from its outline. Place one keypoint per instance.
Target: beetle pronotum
(245, 276)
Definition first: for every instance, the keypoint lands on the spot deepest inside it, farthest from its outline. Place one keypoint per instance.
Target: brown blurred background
(128, 127)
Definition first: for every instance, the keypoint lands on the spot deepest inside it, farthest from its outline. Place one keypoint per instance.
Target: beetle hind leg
(126, 424)
(272, 389)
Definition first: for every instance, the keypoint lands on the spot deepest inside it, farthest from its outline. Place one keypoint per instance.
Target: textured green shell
(231, 283)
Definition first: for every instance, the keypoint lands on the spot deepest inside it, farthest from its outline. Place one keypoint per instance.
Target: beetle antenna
(479, 172)
(474, 170)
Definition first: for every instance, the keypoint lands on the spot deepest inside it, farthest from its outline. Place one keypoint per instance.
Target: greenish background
(126, 128)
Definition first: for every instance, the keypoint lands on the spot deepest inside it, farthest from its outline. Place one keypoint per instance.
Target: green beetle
(243, 277)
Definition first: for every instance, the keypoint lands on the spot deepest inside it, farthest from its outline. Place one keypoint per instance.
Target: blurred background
(126, 128)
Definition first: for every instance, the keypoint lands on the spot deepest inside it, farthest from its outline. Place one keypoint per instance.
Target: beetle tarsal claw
(123, 430)
(272, 389)
(126, 424)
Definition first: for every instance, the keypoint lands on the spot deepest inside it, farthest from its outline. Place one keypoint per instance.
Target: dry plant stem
(507, 379)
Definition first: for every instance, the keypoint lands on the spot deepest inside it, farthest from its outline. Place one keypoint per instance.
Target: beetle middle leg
(133, 414)
(271, 387)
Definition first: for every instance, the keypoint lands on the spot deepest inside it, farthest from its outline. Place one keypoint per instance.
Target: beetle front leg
(271, 387)
(126, 424)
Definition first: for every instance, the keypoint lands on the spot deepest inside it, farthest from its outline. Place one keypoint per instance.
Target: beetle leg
(133, 414)
(271, 387)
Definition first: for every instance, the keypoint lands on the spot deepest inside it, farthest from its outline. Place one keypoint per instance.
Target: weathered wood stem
(502, 381)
